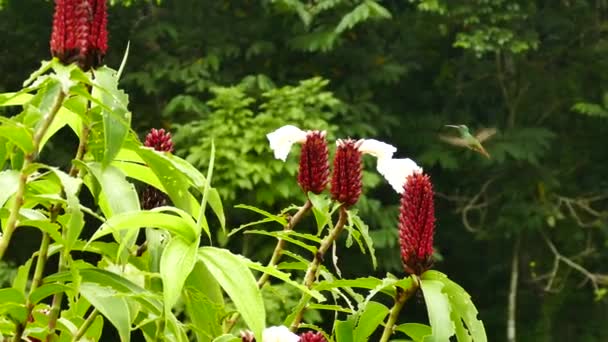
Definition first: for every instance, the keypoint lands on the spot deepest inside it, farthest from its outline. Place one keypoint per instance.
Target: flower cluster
(417, 216)
(79, 32)
(417, 224)
(346, 179)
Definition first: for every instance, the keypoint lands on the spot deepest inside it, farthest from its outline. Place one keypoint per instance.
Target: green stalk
(86, 325)
(276, 254)
(400, 298)
(11, 223)
(313, 268)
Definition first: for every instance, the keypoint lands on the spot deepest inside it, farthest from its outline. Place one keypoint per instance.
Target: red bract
(159, 140)
(314, 165)
(417, 224)
(312, 337)
(346, 179)
(79, 32)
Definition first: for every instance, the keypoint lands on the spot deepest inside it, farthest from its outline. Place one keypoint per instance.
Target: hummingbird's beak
(452, 126)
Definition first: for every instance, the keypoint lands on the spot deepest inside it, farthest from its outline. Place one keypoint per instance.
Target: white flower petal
(396, 171)
(283, 138)
(378, 149)
(279, 334)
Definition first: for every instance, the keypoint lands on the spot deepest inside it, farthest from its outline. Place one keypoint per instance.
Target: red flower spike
(159, 140)
(417, 224)
(314, 165)
(312, 337)
(346, 180)
(79, 32)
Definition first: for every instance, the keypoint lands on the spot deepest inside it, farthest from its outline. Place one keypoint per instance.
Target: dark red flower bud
(314, 165)
(312, 337)
(417, 224)
(159, 140)
(79, 32)
(346, 179)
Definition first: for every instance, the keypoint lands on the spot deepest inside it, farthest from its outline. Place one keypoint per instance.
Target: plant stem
(276, 254)
(58, 297)
(278, 250)
(36, 280)
(313, 268)
(11, 223)
(85, 326)
(400, 298)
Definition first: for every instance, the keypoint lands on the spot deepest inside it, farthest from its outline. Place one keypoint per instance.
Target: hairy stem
(400, 298)
(278, 250)
(86, 325)
(11, 223)
(313, 268)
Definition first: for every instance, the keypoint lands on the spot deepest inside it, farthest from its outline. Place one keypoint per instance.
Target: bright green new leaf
(320, 209)
(415, 331)
(370, 318)
(176, 263)
(281, 220)
(47, 290)
(232, 273)
(114, 307)
(9, 179)
(364, 230)
(281, 234)
(438, 308)
(133, 221)
(118, 194)
(344, 330)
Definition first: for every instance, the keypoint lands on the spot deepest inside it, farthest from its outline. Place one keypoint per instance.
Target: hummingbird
(468, 140)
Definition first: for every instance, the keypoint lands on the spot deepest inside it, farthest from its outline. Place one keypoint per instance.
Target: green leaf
(47, 290)
(170, 176)
(204, 304)
(284, 235)
(232, 273)
(13, 304)
(9, 180)
(22, 277)
(463, 308)
(116, 120)
(345, 329)
(286, 278)
(281, 220)
(176, 263)
(329, 307)
(62, 118)
(118, 195)
(370, 318)
(115, 308)
(415, 331)
(438, 308)
(178, 225)
(320, 209)
(75, 223)
(366, 283)
(364, 230)
(18, 134)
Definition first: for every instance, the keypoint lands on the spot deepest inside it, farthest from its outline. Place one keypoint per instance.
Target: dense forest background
(525, 232)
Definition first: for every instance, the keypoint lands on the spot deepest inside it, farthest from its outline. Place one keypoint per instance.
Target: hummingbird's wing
(453, 140)
(485, 134)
